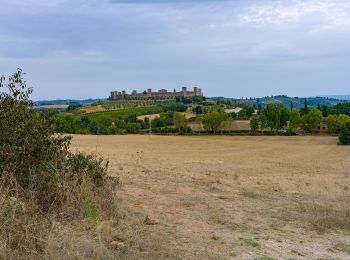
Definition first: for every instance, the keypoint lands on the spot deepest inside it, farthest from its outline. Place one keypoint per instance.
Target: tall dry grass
(56, 204)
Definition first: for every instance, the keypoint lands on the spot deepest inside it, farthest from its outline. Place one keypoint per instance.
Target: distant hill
(340, 97)
(298, 102)
(83, 102)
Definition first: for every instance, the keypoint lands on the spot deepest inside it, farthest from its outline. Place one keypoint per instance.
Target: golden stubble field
(218, 197)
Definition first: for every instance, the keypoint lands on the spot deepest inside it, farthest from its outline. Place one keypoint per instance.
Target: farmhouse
(162, 94)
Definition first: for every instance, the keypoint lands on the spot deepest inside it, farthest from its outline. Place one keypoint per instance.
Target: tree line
(272, 119)
(277, 117)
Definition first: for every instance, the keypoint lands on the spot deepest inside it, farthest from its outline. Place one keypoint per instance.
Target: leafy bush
(40, 178)
(344, 136)
(32, 156)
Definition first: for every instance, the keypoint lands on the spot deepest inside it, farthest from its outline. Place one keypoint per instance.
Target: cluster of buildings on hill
(162, 94)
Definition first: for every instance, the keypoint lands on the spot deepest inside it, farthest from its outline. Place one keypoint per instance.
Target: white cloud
(318, 15)
(252, 29)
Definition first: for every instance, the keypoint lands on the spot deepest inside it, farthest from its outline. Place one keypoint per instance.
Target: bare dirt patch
(152, 117)
(92, 109)
(234, 197)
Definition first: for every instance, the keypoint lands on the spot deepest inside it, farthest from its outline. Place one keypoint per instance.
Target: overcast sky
(86, 48)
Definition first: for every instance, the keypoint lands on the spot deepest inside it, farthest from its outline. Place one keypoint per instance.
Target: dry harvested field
(218, 197)
(64, 106)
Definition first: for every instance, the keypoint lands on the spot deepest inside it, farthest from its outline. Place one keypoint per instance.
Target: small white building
(233, 110)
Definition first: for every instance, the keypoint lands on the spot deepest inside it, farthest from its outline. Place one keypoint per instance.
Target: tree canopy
(312, 120)
(213, 120)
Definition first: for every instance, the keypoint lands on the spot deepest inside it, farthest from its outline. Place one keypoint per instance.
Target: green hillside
(109, 116)
(298, 102)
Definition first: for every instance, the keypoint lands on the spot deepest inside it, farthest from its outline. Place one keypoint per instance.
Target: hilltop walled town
(162, 94)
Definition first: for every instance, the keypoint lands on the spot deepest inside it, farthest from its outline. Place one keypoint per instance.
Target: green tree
(294, 120)
(73, 107)
(272, 116)
(64, 124)
(147, 122)
(259, 108)
(276, 116)
(343, 119)
(120, 124)
(332, 124)
(284, 116)
(262, 121)
(305, 109)
(344, 136)
(213, 120)
(325, 110)
(248, 110)
(180, 122)
(158, 122)
(227, 124)
(198, 110)
(312, 120)
(133, 127)
(131, 118)
(254, 123)
(242, 114)
(341, 108)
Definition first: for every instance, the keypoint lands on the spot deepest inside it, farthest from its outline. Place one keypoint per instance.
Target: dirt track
(235, 197)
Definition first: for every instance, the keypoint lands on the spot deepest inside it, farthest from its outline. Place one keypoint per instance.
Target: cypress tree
(305, 109)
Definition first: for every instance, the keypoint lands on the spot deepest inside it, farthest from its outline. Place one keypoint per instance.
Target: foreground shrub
(40, 178)
(33, 158)
(344, 136)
